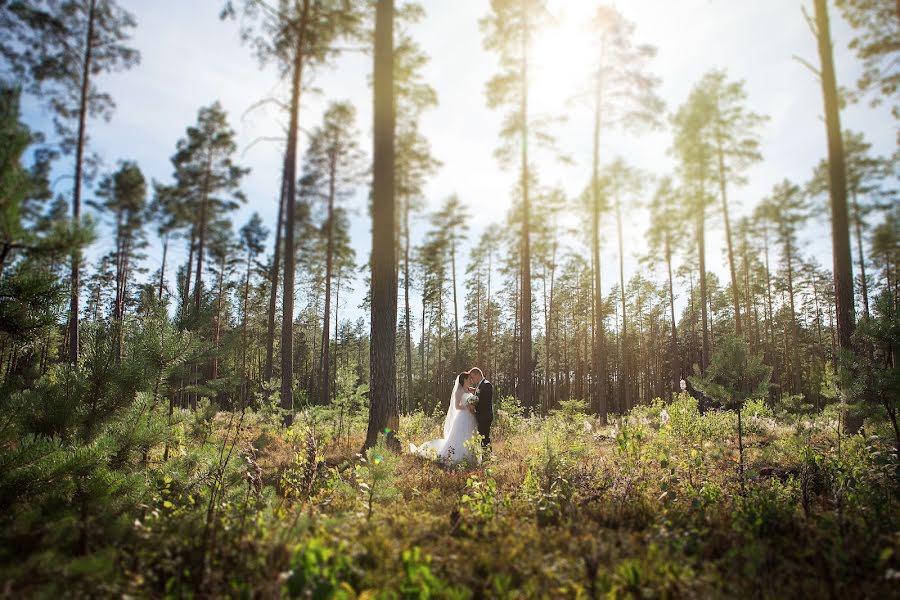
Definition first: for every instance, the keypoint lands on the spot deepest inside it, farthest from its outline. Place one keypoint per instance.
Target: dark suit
(484, 410)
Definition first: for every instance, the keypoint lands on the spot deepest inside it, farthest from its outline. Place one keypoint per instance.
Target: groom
(484, 406)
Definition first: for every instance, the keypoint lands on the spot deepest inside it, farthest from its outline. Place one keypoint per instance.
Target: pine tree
(622, 183)
(735, 139)
(662, 239)
(694, 153)
(58, 48)
(451, 223)
(623, 95)
(866, 178)
(787, 209)
(208, 180)
(253, 238)
(298, 36)
(414, 163)
(877, 27)
(333, 167)
(22, 190)
(124, 195)
(510, 29)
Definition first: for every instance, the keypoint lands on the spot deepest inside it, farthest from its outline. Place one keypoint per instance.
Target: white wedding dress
(460, 427)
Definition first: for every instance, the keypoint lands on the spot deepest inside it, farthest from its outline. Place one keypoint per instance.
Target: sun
(562, 58)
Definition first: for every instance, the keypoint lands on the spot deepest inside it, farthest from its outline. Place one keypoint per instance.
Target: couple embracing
(470, 413)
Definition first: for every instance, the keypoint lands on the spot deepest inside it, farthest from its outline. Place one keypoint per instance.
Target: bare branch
(809, 21)
(266, 138)
(807, 64)
(262, 103)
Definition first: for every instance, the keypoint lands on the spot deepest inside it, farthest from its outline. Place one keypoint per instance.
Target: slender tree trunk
(186, 293)
(423, 366)
(383, 408)
(795, 341)
(244, 330)
(290, 171)
(517, 340)
(337, 300)
(748, 301)
(273, 278)
(701, 250)
(676, 363)
(201, 224)
(407, 311)
(769, 322)
(329, 262)
(732, 271)
(857, 222)
(76, 194)
(818, 320)
(693, 353)
(837, 182)
(439, 365)
(526, 394)
(218, 329)
(624, 370)
(456, 366)
(162, 268)
(120, 309)
(546, 395)
(489, 352)
(599, 400)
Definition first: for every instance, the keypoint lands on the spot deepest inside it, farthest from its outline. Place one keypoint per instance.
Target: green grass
(562, 508)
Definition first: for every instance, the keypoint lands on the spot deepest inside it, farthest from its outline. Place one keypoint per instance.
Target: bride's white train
(460, 441)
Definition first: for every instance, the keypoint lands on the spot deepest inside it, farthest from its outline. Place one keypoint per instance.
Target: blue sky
(190, 59)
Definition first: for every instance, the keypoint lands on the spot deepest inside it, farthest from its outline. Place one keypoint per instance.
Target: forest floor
(563, 507)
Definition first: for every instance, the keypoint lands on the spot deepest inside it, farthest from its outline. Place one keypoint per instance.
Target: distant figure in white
(460, 426)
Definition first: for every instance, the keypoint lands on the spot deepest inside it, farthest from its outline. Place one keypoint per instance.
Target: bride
(460, 427)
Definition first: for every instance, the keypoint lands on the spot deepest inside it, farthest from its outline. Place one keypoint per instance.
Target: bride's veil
(452, 411)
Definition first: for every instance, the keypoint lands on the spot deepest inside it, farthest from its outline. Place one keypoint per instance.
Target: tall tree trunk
(818, 321)
(201, 238)
(290, 171)
(439, 364)
(76, 193)
(728, 242)
(456, 366)
(246, 299)
(857, 222)
(408, 310)
(837, 182)
(218, 329)
(383, 408)
(625, 366)
(120, 309)
(273, 277)
(162, 268)
(598, 359)
(693, 351)
(769, 321)
(676, 363)
(423, 367)
(489, 353)
(701, 250)
(337, 305)
(795, 341)
(186, 292)
(526, 394)
(325, 370)
(545, 404)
